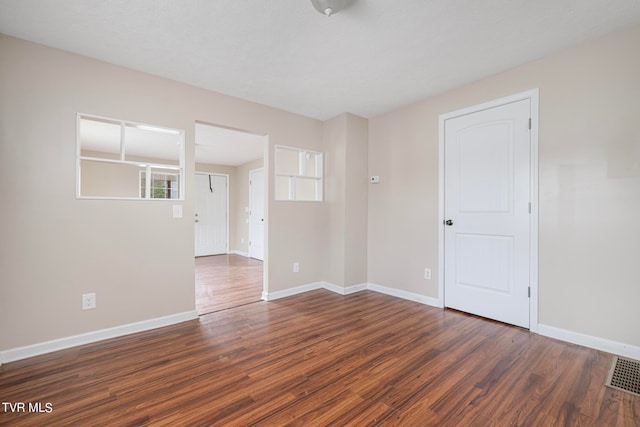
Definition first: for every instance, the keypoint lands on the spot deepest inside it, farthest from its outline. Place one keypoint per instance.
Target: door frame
(264, 200)
(533, 96)
(226, 175)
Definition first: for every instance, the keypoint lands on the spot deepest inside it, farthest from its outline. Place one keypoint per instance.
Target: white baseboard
(311, 287)
(602, 344)
(291, 291)
(19, 353)
(234, 252)
(90, 337)
(344, 291)
(433, 302)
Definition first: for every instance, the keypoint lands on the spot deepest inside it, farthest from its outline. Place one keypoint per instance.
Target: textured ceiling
(373, 57)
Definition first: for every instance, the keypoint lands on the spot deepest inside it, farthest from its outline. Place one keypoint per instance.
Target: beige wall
(334, 137)
(102, 179)
(55, 247)
(346, 189)
(589, 186)
(133, 254)
(356, 196)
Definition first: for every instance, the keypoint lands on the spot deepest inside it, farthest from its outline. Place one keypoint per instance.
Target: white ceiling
(371, 58)
(222, 146)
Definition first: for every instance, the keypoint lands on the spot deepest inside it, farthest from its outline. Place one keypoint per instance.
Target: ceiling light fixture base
(329, 7)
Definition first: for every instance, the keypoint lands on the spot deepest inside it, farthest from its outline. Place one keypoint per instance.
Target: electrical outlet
(88, 301)
(296, 267)
(427, 273)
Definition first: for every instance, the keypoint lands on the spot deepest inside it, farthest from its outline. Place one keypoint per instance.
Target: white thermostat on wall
(375, 179)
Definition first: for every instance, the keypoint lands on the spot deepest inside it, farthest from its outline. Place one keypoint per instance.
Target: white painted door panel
(211, 214)
(256, 215)
(487, 182)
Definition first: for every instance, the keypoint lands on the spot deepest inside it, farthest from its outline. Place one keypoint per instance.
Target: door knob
(448, 222)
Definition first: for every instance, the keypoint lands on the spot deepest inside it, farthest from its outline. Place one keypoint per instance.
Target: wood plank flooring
(319, 359)
(225, 281)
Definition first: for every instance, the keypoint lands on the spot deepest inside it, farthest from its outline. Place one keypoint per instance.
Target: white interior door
(486, 211)
(256, 215)
(211, 227)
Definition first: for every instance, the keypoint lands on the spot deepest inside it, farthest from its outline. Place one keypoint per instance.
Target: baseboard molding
(234, 252)
(291, 291)
(602, 344)
(311, 287)
(19, 353)
(342, 290)
(91, 337)
(433, 302)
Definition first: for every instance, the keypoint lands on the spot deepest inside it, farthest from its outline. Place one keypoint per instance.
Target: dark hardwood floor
(321, 359)
(225, 281)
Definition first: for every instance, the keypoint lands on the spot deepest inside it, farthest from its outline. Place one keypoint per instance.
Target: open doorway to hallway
(227, 281)
(228, 273)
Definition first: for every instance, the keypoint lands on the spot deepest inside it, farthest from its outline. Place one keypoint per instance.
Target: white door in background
(211, 227)
(256, 214)
(487, 212)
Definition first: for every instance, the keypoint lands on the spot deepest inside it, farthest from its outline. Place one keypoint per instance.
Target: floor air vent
(625, 375)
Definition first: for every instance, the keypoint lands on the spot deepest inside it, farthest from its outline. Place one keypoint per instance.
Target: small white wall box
(375, 179)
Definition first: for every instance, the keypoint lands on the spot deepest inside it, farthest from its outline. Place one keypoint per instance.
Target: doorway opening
(228, 273)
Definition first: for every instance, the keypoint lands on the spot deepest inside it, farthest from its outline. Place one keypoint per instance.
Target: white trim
(312, 287)
(342, 290)
(533, 223)
(266, 296)
(181, 154)
(533, 96)
(236, 252)
(601, 344)
(318, 177)
(91, 337)
(422, 299)
(264, 209)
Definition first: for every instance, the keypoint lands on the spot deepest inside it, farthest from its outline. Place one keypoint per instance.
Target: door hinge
(529, 292)
(529, 123)
(529, 207)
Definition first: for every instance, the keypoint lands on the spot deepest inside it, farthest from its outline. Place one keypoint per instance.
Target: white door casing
(256, 214)
(211, 214)
(489, 198)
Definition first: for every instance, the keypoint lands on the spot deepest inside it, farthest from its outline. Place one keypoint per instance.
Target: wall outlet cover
(89, 301)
